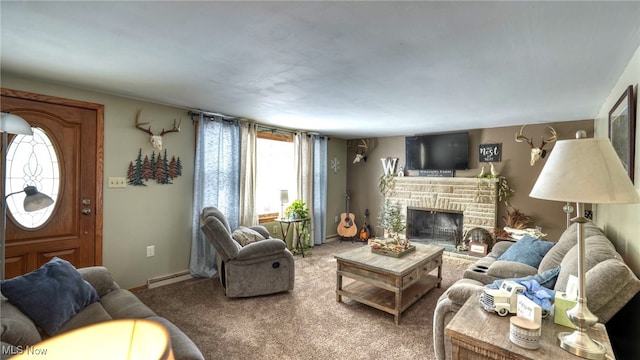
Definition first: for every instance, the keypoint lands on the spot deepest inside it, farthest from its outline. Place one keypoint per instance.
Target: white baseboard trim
(168, 279)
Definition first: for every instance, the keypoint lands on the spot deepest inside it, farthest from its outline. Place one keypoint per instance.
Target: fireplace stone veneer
(475, 198)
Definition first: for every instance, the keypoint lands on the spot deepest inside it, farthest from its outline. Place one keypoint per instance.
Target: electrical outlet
(337, 219)
(117, 182)
(275, 229)
(151, 251)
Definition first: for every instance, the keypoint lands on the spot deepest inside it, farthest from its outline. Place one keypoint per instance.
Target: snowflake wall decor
(335, 164)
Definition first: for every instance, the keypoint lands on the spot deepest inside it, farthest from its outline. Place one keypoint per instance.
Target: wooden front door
(72, 229)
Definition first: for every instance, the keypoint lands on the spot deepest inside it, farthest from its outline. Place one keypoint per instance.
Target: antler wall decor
(537, 152)
(156, 140)
(362, 149)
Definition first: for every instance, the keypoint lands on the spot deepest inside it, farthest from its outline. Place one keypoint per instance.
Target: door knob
(86, 211)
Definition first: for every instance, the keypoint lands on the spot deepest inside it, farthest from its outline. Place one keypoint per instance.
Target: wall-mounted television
(448, 151)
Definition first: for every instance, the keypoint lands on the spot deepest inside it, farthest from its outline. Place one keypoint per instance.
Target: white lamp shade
(13, 124)
(585, 170)
(284, 196)
(130, 339)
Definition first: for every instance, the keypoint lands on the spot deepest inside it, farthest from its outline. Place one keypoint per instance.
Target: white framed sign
(477, 249)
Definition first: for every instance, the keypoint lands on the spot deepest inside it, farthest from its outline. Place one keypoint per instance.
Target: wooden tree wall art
(158, 168)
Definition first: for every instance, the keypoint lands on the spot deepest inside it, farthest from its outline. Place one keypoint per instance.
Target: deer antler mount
(156, 140)
(537, 152)
(362, 148)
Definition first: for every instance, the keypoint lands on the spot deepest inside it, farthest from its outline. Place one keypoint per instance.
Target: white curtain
(319, 218)
(248, 214)
(303, 160)
(216, 183)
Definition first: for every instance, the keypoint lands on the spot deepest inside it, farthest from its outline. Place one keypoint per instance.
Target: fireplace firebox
(434, 226)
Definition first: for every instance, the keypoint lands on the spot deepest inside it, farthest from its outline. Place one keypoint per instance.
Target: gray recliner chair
(259, 268)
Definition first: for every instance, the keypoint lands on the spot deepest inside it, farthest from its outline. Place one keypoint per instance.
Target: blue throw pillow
(528, 250)
(50, 295)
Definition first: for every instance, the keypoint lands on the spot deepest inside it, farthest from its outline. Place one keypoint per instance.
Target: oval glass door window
(32, 160)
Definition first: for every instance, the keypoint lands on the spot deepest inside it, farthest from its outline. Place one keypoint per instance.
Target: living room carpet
(305, 323)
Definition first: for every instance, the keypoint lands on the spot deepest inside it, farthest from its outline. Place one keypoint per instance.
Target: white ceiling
(346, 69)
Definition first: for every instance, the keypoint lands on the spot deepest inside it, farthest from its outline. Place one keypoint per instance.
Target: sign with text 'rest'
(490, 152)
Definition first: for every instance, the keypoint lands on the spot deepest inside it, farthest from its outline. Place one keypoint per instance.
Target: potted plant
(392, 219)
(297, 210)
(504, 191)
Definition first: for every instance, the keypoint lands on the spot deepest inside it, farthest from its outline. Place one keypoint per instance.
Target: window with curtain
(275, 171)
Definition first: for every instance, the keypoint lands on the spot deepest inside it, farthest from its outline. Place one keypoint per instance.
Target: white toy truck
(503, 300)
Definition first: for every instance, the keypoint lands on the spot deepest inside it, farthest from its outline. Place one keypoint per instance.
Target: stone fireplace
(445, 208)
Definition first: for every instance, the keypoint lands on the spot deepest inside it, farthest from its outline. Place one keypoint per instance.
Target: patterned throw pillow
(245, 236)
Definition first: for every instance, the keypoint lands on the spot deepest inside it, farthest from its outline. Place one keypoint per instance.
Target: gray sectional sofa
(17, 330)
(610, 283)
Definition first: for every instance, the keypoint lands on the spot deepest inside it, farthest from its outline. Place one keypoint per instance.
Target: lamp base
(580, 344)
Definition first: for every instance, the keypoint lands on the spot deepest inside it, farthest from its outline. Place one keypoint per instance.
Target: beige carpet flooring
(306, 323)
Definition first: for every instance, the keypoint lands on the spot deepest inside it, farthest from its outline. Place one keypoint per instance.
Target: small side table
(299, 225)
(479, 334)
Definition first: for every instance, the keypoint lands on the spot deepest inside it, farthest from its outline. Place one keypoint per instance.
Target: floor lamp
(583, 170)
(34, 200)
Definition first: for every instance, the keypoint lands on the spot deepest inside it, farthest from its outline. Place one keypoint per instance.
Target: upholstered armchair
(263, 266)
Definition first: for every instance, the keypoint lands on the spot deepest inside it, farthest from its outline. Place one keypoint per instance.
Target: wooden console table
(388, 283)
(477, 334)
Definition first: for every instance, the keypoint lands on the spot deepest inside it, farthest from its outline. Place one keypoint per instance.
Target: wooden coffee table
(387, 283)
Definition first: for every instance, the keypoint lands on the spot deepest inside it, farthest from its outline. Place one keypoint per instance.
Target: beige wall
(363, 177)
(621, 222)
(137, 216)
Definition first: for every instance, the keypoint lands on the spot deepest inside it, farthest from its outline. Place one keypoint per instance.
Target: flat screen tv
(448, 151)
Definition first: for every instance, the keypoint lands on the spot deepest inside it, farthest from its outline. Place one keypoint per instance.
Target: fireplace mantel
(475, 198)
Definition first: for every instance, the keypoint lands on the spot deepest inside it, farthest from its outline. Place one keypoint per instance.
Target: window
(275, 171)
(32, 160)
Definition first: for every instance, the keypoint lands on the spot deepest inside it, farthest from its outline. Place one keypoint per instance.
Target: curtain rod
(259, 127)
(193, 113)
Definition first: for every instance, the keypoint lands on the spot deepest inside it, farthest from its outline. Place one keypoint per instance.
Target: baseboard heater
(168, 279)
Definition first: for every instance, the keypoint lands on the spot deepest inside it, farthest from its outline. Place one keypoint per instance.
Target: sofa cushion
(610, 285)
(528, 250)
(597, 249)
(462, 290)
(567, 240)
(123, 304)
(15, 327)
(100, 278)
(510, 269)
(547, 279)
(50, 295)
(245, 236)
(183, 347)
(91, 314)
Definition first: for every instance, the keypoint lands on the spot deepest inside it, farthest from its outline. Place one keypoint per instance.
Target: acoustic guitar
(347, 227)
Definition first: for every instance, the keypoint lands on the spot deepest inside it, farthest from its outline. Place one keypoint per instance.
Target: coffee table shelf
(387, 283)
(385, 300)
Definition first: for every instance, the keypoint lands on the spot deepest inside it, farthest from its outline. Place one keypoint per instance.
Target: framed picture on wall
(622, 129)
